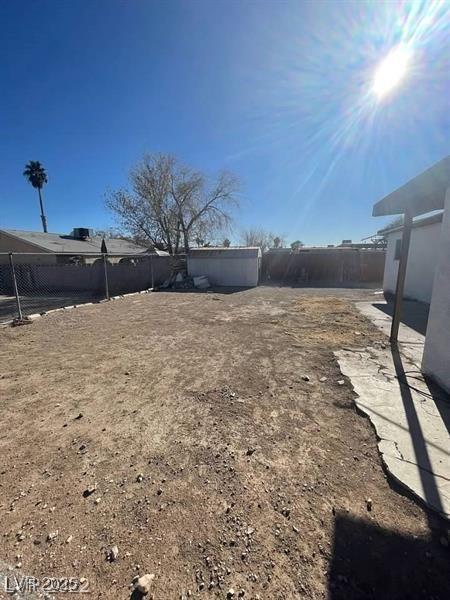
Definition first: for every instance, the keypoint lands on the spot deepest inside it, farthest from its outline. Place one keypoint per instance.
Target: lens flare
(391, 71)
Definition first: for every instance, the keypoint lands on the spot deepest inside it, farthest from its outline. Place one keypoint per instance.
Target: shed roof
(423, 194)
(55, 242)
(247, 252)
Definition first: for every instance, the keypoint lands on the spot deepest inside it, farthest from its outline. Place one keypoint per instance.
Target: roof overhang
(421, 195)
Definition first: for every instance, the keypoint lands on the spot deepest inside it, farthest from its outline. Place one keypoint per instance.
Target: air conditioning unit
(81, 233)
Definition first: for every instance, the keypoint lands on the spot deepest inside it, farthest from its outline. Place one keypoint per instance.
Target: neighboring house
(236, 267)
(48, 248)
(423, 255)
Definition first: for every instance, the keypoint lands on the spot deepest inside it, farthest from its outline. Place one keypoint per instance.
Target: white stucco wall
(436, 356)
(241, 272)
(422, 259)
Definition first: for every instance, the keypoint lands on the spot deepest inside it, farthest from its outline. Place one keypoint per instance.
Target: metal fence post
(105, 268)
(401, 276)
(151, 270)
(16, 291)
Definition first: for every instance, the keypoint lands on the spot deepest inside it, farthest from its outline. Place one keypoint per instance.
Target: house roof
(436, 218)
(245, 252)
(55, 242)
(423, 194)
(279, 250)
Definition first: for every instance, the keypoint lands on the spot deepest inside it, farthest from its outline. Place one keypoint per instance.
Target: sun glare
(391, 71)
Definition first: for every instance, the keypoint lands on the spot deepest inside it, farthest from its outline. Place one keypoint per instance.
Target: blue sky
(278, 92)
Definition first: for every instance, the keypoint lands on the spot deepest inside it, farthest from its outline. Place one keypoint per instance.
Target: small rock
(69, 539)
(143, 584)
(322, 379)
(249, 530)
(250, 451)
(80, 416)
(230, 593)
(52, 535)
(113, 553)
(97, 500)
(305, 377)
(139, 478)
(159, 492)
(18, 565)
(341, 382)
(296, 529)
(90, 490)
(369, 504)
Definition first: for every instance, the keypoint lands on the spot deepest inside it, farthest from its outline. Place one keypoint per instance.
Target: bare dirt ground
(218, 466)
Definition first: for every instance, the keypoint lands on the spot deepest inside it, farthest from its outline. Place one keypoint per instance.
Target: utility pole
(401, 276)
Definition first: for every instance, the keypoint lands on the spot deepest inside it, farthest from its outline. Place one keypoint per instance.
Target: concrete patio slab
(410, 415)
(411, 336)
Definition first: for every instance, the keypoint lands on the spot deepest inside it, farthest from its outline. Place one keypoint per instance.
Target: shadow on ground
(43, 303)
(414, 313)
(371, 562)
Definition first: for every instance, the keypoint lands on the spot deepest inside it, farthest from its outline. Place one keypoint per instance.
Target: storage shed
(236, 267)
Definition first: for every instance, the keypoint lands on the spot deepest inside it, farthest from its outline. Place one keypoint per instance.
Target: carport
(429, 191)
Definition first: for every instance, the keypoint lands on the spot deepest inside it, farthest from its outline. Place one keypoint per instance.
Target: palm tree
(36, 175)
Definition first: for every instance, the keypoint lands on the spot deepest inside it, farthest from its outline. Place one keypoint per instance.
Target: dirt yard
(208, 438)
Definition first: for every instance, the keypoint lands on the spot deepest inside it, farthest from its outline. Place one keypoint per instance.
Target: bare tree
(395, 222)
(170, 204)
(111, 233)
(257, 236)
(279, 241)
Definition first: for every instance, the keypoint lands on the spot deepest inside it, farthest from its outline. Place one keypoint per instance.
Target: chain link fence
(36, 283)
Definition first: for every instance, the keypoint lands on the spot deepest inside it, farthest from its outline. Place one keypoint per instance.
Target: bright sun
(391, 71)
